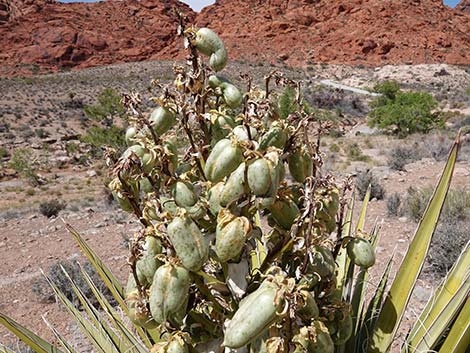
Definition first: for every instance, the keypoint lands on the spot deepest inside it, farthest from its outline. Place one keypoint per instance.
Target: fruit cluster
(240, 227)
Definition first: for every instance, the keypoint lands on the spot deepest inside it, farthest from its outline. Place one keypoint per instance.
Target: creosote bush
(362, 182)
(22, 162)
(55, 273)
(51, 208)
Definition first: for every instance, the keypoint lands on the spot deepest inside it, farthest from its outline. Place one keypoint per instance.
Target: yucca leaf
(349, 280)
(443, 306)
(342, 260)
(370, 317)
(96, 336)
(443, 321)
(458, 339)
(358, 300)
(65, 345)
(362, 216)
(400, 291)
(26, 336)
(106, 275)
(116, 320)
(439, 301)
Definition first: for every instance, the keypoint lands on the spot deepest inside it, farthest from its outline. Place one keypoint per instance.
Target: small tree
(404, 112)
(104, 113)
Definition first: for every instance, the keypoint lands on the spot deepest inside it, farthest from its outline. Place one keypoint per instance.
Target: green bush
(22, 162)
(106, 131)
(101, 136)
(355, 153)
(107, 108)
(403, 112)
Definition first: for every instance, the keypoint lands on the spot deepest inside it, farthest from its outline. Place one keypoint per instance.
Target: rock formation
(48, 35)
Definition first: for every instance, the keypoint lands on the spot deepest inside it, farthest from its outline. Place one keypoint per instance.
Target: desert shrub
(393, 204)
(101, 136)
(107, 108)
(363, 180)
(41, 133)
(355, 153)
(3, 152)
(287, 103)
(456, 207)
(42, 289)
(51, 208)
(447, 242)
(435, 145)
(104, 113)
(334, 148)
(400, 156)
(22, 162)
(403, 112)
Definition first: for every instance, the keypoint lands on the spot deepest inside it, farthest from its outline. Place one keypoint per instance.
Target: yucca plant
(236, 253)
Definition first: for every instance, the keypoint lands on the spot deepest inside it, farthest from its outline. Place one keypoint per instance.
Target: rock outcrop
(369, 32)
(464, 5)
(48, 35)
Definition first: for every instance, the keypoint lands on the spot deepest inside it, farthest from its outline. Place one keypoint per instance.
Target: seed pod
(259, 176)
(276, 168)
(131, 132)
(254, 315)
(184, 195)
(145, 185)
(209, 43)
(138, 311)
(213, 196)
(300, 165)
(220, 127)
(361, 252)
(172, 154)
(190, 245)
(342, 330)
(147, 264)
(241, 133)
(275, 137)
(308, 309)
(174, 344)
(120, 195)
(231, 235)
(149, 161)
(196, 212)
(322, 262)
(314, 339)
(234, 186)
(284, 212)
(137, 150)
(162, 119)
(231, 94)
(225, 157)
(168, 292)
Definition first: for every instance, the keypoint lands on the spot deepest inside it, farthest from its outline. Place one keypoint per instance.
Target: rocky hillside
(44, 34)
(370, 32)
(38, 35)
(464, 5)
